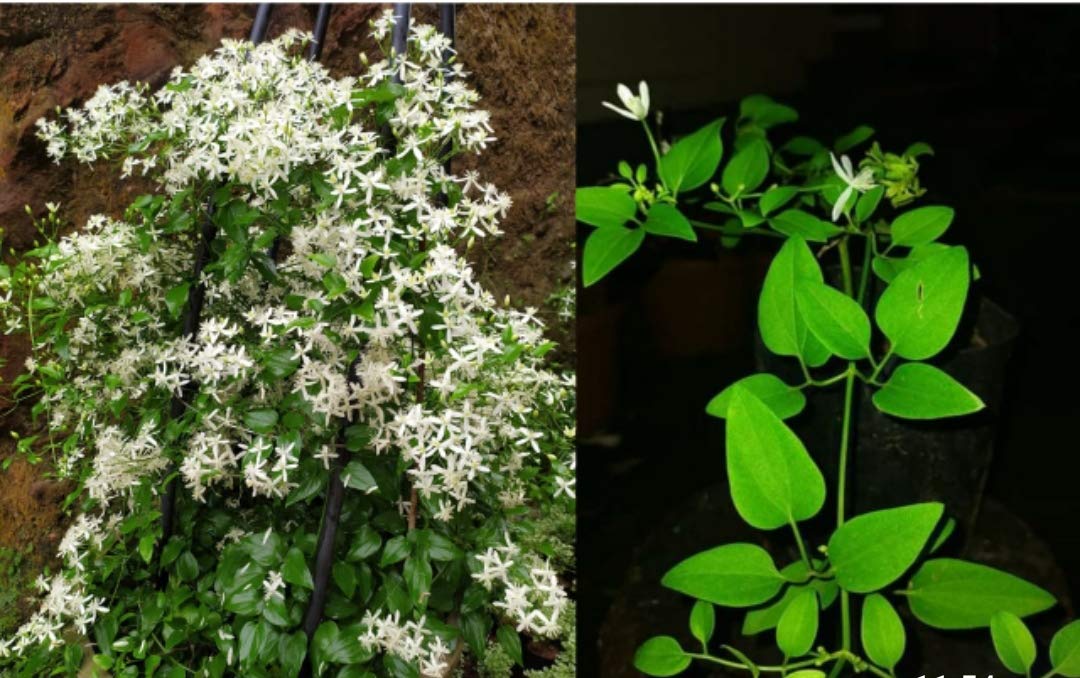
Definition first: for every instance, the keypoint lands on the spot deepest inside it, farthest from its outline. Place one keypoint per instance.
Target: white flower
(861, 182)
(637, 107)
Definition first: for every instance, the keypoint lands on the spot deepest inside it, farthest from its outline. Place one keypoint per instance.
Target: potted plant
(868, 333)
(344, 348)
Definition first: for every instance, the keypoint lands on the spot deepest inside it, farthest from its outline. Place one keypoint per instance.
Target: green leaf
(703, 621)
(765, 618)
(665, 220)
(805, 225)
(921, 391)
(358, 477)
(920, 310)
(746, 169)
(1065, 651)
(882, 632)
(773, 480)
(868, 203)
(803, 146)
(292, 649)
(943, 535)
(807, 673)
(365, 543)
(836, 319)
(176, 298)
(1013, 642)
(605, 249)
(766, 113)
(332, 644)
(344, 576)
(853, 138)
(873, 550)
(187, 567)
(955, 594)
(295, 569)
(604, 206)
(146, 547)
(511, 642)
(262, 420)
(395, 551)
(783, 330)
(693, 160)
(733, 575)
(661, 656)
(798, 625)
(785, 401)
(418, 575)
(921, 226)
(776, 197)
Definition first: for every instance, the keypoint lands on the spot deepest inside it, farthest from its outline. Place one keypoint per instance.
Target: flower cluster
(531, 593)
(366, 318)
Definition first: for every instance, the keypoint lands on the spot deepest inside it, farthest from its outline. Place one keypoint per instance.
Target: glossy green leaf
(834, 318)
(295, 569)
(395, 551)
(853, 138)
(782, 328)
(773, 480)
(187, 567)
(511, 642)
(175, 299)
(764, 112)
(418, 575)
(955, 594)
(882, 632)
(1065, 651)
(921, 391)
(337, 645)
(703, 621)
(358, 477)
(733, 575)
(664, 220)
(807, 673)
(292, 649)
(943, 536)
(1013, 642)
(785, 401)
(798, 625)
(767, 617)
(874, 549)
(776, 197)
(605, 249)
(693, 160)
(344, 576)
(661, 656)
(921, 226)
(746, 169)
(805, 225)
(262, 420)
(868, 203)
(604, 206)
(920, 310)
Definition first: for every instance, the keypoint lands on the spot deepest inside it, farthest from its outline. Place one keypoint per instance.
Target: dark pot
(894, 461)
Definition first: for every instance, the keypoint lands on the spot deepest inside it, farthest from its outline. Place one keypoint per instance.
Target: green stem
(765, 669)
(652, 144)
(802, 545)
(735, 231)
(845, 266)
(864, 274)
(841, 495)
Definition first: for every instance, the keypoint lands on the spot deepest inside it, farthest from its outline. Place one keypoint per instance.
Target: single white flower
(637, 107)
(861, 182)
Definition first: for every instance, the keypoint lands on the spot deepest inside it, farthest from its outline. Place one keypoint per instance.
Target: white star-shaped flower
(861, 182)
(637, 107)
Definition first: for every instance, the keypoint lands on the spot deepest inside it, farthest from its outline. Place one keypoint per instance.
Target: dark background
(992, 90)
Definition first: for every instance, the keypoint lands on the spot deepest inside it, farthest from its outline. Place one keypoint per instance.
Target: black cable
(322, 21)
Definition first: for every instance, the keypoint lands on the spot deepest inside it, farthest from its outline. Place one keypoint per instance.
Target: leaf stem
(845, 266)
(802, 545)
(841, 495)
(655, 149)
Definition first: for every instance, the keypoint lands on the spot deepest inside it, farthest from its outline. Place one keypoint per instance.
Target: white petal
(838, 208)
(847, 167)
(625, 95)
(838, 169)
(643, 94)
(623, 112)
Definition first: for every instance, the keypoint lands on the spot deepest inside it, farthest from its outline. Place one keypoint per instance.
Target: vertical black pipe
(193, 319)
(322, 21)
(400, 40)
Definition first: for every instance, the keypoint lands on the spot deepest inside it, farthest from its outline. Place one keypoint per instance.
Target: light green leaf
(872, 550)
(176, 298)
(703, 621)
(783, 330)
(868, 203)
(295, 569)
(746, 169)
(919, 148)
(733, 575)
(358, 477)
(834, 318)
(882, 632)
(786, 401)
(955, 594)
(943, 535)
(921, 226)
(767, 617)
(798, 626)
(1065, 651)
(605, 249)
(807, 673)
(776, 197)
(921, 391)
(146, 546)
(920, 310)
(853, 138)
(665, 220)
(1013, 642)
(693, 160)
(604, 206)
(774, 482)
(261, 421)
(661, 656)
(807, 226)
